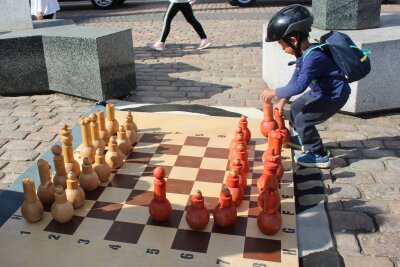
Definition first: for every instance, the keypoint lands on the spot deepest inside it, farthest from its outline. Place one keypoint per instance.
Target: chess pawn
(160, 208)
(233, 144)
(280, 119)
(114, 157)
(87, 149)
(111, 123)
(88, 179)
(241, 154)
(197, 216)
(61, 210)
(130, 128)
(267, 124)
(246, 131)
(68, 152)
(60, 176)
(239, 141)
(237, 165)
(103, 133)
(225, 213)
(46, 188)
(101, 167)
(32, 208)
(94, 130)
(269, 220)
(124, 144)
(74, 192)
(236, 190)
(129, 117)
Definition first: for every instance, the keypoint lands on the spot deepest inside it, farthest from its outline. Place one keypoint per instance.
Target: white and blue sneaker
(311, 159)
(295, 143)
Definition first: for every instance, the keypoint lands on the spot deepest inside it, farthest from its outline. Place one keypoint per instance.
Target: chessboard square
(190, 240)
(196, 141)
(132, 213)
(218, 153)
(149, 170)
(174, 139)
(163, 159)
(95, 194)
(156, 236)
(178, 201)
(179, 186)
(149, 148)
(168, 149)
(209, 203)
(145, 183)
(194, 151)
(124, 232)
(173, 220)
(68, 228)
(105, 210)
(254, 210)
(262, 249)
(239, 228)
(212, 176)
(183, 173)
(115, 195)
(151, 138)
(93, 229)
(84, 210)
(139, 157)
(140, 198)
(188, 161)
(219, 142)
(225, 245)
(243, 208)
(124, 181)
(253, 231)
(214, 164)
(184, 224)
(129, 168)
(207, 189)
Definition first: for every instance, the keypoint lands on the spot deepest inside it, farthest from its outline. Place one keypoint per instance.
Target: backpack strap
(312, 48)
(366, 52)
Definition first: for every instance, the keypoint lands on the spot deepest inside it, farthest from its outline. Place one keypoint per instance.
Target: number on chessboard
(24, 233)
(152, 251)
(115, 247)
(221, 261)
(16, 217)
(259, 265)
(287, 212)
(289, 251)
(289, 230)
(187, 256)
(287, 196)
(55, 237)
(83, 241)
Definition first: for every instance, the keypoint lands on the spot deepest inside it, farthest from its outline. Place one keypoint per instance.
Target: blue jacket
(318, 72)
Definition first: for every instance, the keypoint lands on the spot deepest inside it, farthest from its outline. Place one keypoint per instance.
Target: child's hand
(279, 106)
(267, 95)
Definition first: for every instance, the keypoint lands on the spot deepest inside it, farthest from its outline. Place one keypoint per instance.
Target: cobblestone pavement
(362, 186)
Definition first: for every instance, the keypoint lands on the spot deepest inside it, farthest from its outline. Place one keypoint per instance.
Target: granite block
(15, 15)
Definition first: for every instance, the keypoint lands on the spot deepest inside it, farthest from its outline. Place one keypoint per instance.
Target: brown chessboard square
(179, 186)
(151, 138)
(212, 176)
(262, 249)
(105, 210)
(124, 181)
(140, 198)
(95, 194)
(190, 240)
(239, 228)
(168, 149)
(254, 210)
(173, 220)
(68, 228)
(124, 232)
(148, 171)
(247, 192)
(139, 157)
(189, 162)
(196, 141)
(219, 153)
(209, 203)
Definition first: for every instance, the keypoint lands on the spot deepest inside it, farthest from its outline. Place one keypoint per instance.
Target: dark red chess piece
(237, 165)
(246, 131)
(268, 123)
(225, 213)
(239, 141)
(233, 143)
(269, 175)
(232, 182)
(269, 219)
(197, 215)
(280, 119)
(160, 208)
(275, 149)
(241, 154)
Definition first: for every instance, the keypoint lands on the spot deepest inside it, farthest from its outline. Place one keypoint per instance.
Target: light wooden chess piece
(129, 118)
(88, 179)
(111, 123)
(114, 157)
(101, 167)
(46, 188)
(61, 210)
(160, 208)
(236, 190)
(197, 216)
(32, 208)
(104, 134)
(246, 131)
(87, 149)
(131, 133)
(66, 140)
(74, 192)
(124, 144)
(225, 213)
(94, 130)
(60, 176)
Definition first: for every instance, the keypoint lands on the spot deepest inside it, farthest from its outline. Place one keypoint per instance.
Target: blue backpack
(351, 60)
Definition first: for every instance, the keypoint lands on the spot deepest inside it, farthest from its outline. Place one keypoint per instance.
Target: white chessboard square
(178, 201)
(115, 195)
(219, 142)
(133, 214)
(157, 236)
(252, 230)
(163, 159)
(207, 189)
(84, 210)
(145, 183)
(193, 151)
(243, 208)
(221, 244)
(146, 147)
(174, 139)
(183, 173)
(132, 169)
(93, 229)
(185, 226)
(214, 164)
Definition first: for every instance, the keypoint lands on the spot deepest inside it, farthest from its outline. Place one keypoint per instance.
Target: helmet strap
(296, 49)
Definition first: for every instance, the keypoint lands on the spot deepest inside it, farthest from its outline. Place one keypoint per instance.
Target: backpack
(351, 60)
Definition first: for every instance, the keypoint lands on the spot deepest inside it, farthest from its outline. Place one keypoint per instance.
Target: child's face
(286, 47)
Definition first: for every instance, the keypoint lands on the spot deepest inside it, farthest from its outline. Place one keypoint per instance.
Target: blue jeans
(308, 111)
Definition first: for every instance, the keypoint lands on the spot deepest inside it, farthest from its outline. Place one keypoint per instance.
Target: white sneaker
(204, 44)
(158, 46)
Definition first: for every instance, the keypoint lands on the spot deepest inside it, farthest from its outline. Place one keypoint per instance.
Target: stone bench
(93, 63)
(378, 91)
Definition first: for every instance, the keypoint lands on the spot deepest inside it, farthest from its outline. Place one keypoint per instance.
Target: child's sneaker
(311, 159)
(295, 142)
(158, 46)
(204, 44)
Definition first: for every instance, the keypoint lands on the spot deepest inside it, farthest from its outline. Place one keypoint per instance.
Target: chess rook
(94, 130)
(268, 124)
(103, 133)
(160, 208)
(74, 192)
(60, 176)
(225, 213)
(66, 140)
(61, 210)
(32, 208)
(46, 188)
(111, 123)
(197, 216)
(87, 149)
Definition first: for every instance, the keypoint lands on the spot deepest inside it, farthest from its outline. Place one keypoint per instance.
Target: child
(185, 7)
(329, 92)
(44, 9)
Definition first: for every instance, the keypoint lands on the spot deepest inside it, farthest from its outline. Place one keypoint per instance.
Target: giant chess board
(113, 228)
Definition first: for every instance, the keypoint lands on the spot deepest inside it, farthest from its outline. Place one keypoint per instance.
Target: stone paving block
(377, 128)
(380, 244)
(384, 136)
(344, 191)
(363, 261)
(41, 136)
(5, 112)
(3, 163)
(27, 120)
(338, 163)
(44, 108)
(15, 166)
(370, 207)
(3, 142)
(388, 222)
(374, 153)
(51, 128)
(17, 135)
(21, 145)
(393, 164)
(392, 144)
(347, 243)
(8, 119)
(52, 121)
(349, 176)
(345, 221)
(334, 204)
(366, 164)
(19, 155)
(44, 146)
(373, 143)
(382, 191)
(9, 178)
(350, 143)
(24, 113)
(331, 143)
(44, 115)
(387, 177)
(394, 207)
(29, 128)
